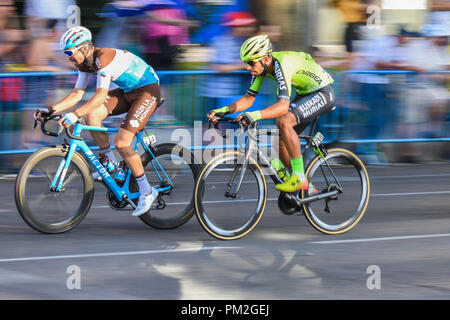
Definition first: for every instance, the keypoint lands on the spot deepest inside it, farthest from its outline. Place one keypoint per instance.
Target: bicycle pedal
(161, 204)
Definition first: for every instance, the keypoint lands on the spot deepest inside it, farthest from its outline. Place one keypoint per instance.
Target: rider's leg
(95, 118)
(144, 102)
(289, 144)
(303, 109)
(123, 141)
(291, 151)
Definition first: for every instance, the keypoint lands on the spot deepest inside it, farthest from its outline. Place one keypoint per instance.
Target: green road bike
(231, 192)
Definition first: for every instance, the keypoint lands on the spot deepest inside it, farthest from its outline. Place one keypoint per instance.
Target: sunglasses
(70, 53)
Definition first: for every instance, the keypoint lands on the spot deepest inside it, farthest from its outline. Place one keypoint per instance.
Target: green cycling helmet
(256, 48)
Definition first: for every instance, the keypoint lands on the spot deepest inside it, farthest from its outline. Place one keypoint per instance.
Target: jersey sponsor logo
(311, 75)
(313, 105)
(144, 109)
(134, 123)
(280, 76)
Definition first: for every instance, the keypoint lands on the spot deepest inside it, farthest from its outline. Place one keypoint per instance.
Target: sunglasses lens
(251, 63)
(68, 53)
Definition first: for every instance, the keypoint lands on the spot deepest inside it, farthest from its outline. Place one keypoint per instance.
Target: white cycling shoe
(145, 202)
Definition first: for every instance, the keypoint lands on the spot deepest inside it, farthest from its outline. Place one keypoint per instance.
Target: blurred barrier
(393, 106)
(372, 106)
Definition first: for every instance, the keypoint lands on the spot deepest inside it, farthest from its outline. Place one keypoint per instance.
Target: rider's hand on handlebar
(42, 115)
(68, 119)
(218, 113)
(249, 118)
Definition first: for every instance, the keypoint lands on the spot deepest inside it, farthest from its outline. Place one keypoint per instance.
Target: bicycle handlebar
(250, 132)
(53, 134)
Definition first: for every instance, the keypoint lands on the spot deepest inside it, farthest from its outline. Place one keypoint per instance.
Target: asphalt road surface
(399, 250)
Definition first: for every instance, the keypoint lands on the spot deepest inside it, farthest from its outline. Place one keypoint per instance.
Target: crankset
(288, 203)
(112, 201)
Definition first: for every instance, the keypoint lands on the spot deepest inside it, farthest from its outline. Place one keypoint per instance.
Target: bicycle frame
(121, 192)
(252, 147)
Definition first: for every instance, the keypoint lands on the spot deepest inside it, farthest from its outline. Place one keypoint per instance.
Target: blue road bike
(54, 189)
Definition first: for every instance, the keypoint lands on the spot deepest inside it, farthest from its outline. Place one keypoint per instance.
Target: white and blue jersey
(126, 70)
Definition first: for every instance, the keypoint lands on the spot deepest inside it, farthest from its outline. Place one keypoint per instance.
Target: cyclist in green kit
(314, 97)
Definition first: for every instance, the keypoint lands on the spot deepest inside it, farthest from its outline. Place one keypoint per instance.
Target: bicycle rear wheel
(176, 205)
(222, 214)
(345, 172)
(53, 212)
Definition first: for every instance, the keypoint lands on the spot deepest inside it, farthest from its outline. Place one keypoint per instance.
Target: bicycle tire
(209, 224)
(346, 160)
(186, 213)
(23, 199)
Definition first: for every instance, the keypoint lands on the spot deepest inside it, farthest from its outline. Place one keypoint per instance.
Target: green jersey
(293, 69)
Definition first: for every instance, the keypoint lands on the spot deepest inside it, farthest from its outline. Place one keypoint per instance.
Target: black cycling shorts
(311, 106)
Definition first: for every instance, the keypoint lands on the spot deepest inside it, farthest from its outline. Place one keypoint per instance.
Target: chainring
(112, 201)
(287, 203)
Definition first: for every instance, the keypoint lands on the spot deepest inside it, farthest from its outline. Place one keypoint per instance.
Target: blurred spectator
(45, 21)
(424, 99)
(226, 48)
(439, 12)
(162, 32)
(355, 16)
(225, 57)
(432, 55)
(10, 35)
(379, 91)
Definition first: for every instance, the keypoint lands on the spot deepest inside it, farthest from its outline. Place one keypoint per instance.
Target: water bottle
(120, 174)
(108, 164)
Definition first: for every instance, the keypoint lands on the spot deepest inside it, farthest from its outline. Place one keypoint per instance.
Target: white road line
(412, 176)
(408, 193)
(111, 254)
(423, 236)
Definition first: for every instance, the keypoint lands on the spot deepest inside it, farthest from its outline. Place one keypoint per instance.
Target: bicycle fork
(58, 179)
(248, 151)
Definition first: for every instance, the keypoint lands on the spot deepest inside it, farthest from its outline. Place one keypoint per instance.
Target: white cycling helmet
(74, 37)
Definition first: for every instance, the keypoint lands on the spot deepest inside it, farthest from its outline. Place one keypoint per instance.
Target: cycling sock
(297, 168)
(110, 154)
(144, 185)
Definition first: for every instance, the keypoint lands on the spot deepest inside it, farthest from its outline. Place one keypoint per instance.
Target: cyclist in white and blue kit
(137, 95)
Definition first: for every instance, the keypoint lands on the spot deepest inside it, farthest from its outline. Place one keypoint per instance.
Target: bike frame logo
(96, 163)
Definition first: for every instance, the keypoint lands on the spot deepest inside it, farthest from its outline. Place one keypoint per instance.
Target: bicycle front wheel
(223, 212)
(344, 172)
(175, 205)
(47, 211)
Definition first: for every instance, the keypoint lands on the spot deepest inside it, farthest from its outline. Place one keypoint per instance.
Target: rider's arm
(103, 83)
(242, 103)
(69, 101)
(279, 108)
(96, 101)
(247, 100)
(74, 96)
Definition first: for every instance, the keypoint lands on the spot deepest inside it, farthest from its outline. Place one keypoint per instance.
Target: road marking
(111, 254)
(408, 193)
(423, 236)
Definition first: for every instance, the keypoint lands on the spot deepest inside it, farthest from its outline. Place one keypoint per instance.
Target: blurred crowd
(407, 96)
(201, 34)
